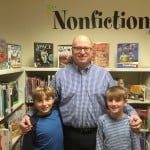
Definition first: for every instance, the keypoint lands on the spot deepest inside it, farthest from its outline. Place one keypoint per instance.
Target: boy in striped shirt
(114, 132)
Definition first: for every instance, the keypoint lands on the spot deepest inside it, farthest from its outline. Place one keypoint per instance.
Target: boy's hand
(25, 124)
(135, 122)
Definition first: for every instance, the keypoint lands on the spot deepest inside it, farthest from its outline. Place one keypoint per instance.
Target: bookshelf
(16, 110)
(129, 75)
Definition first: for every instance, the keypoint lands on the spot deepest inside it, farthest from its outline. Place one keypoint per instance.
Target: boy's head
(116, 99)
(43, 98)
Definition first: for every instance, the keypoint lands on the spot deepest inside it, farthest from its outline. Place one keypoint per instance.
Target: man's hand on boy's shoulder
(25, 124)
(135, 122)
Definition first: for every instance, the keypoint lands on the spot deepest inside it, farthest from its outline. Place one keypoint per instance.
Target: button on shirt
(81, 94)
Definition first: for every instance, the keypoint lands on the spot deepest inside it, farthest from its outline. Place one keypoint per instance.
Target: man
(80, 91)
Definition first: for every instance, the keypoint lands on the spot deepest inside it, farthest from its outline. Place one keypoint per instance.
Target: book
(4, 139)
(136, 92)
(14, 55)
(43, 54)
(64, 55)
(13, 125)
(101, 54)
(142, 137)
(13, 93)
(3, 54)
(127, 55)
(5, 101)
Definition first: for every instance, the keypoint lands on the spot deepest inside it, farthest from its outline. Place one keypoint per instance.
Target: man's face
(82, 51)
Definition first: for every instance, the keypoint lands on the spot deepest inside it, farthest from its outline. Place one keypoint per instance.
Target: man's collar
(79, 69)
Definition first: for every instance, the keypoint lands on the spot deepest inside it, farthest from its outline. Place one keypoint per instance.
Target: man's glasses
(79, 49)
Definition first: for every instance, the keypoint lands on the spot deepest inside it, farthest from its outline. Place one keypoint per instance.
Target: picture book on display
(64, 55)
(13, 123)
(14, 55)
(3, 54)
(127, 55)
(101, 54)
(43, 54)
(136, 92)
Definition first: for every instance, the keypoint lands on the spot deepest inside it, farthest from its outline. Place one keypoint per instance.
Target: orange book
(101, 54)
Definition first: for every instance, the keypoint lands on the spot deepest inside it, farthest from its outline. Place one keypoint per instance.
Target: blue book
(142, 136)
(127, 55)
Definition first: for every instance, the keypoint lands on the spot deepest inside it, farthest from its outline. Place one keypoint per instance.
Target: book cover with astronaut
(43, 54)
(127, 55)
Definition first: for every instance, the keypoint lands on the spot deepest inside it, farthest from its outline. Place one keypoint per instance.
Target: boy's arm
(99, 136)
(135, 141)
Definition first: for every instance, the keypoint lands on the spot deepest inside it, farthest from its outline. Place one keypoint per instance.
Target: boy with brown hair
(47, 131)
(114, 132)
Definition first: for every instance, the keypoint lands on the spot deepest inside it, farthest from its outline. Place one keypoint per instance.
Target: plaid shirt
(81, 94)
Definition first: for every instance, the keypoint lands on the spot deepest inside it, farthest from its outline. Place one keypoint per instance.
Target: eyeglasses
(79, 49)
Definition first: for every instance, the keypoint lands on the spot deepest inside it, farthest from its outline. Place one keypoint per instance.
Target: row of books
(31, 84)
(9, 97)
(127, 55)
(10, 55)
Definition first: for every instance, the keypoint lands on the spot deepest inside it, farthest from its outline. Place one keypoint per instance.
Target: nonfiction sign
(118, 20)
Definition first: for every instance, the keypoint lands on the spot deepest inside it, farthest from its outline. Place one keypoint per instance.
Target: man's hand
(135, 122)
(25, 124)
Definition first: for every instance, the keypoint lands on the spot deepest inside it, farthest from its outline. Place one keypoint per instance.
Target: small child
(47, 133)
(114, 132)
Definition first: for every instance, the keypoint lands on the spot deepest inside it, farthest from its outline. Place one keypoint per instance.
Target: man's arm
(25, 123)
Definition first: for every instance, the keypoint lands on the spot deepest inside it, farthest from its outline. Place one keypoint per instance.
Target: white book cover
(4, 139)
(64, 55)
(14, 56)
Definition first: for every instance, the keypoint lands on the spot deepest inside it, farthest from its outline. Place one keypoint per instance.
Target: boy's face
(44, 105)
(116, 106)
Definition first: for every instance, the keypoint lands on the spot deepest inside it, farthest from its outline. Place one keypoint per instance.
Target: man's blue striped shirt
(82, 94)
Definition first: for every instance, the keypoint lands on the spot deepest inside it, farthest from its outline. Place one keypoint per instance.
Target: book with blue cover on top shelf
(127, 55)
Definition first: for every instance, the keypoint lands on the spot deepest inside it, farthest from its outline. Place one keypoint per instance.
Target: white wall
(27, 21)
